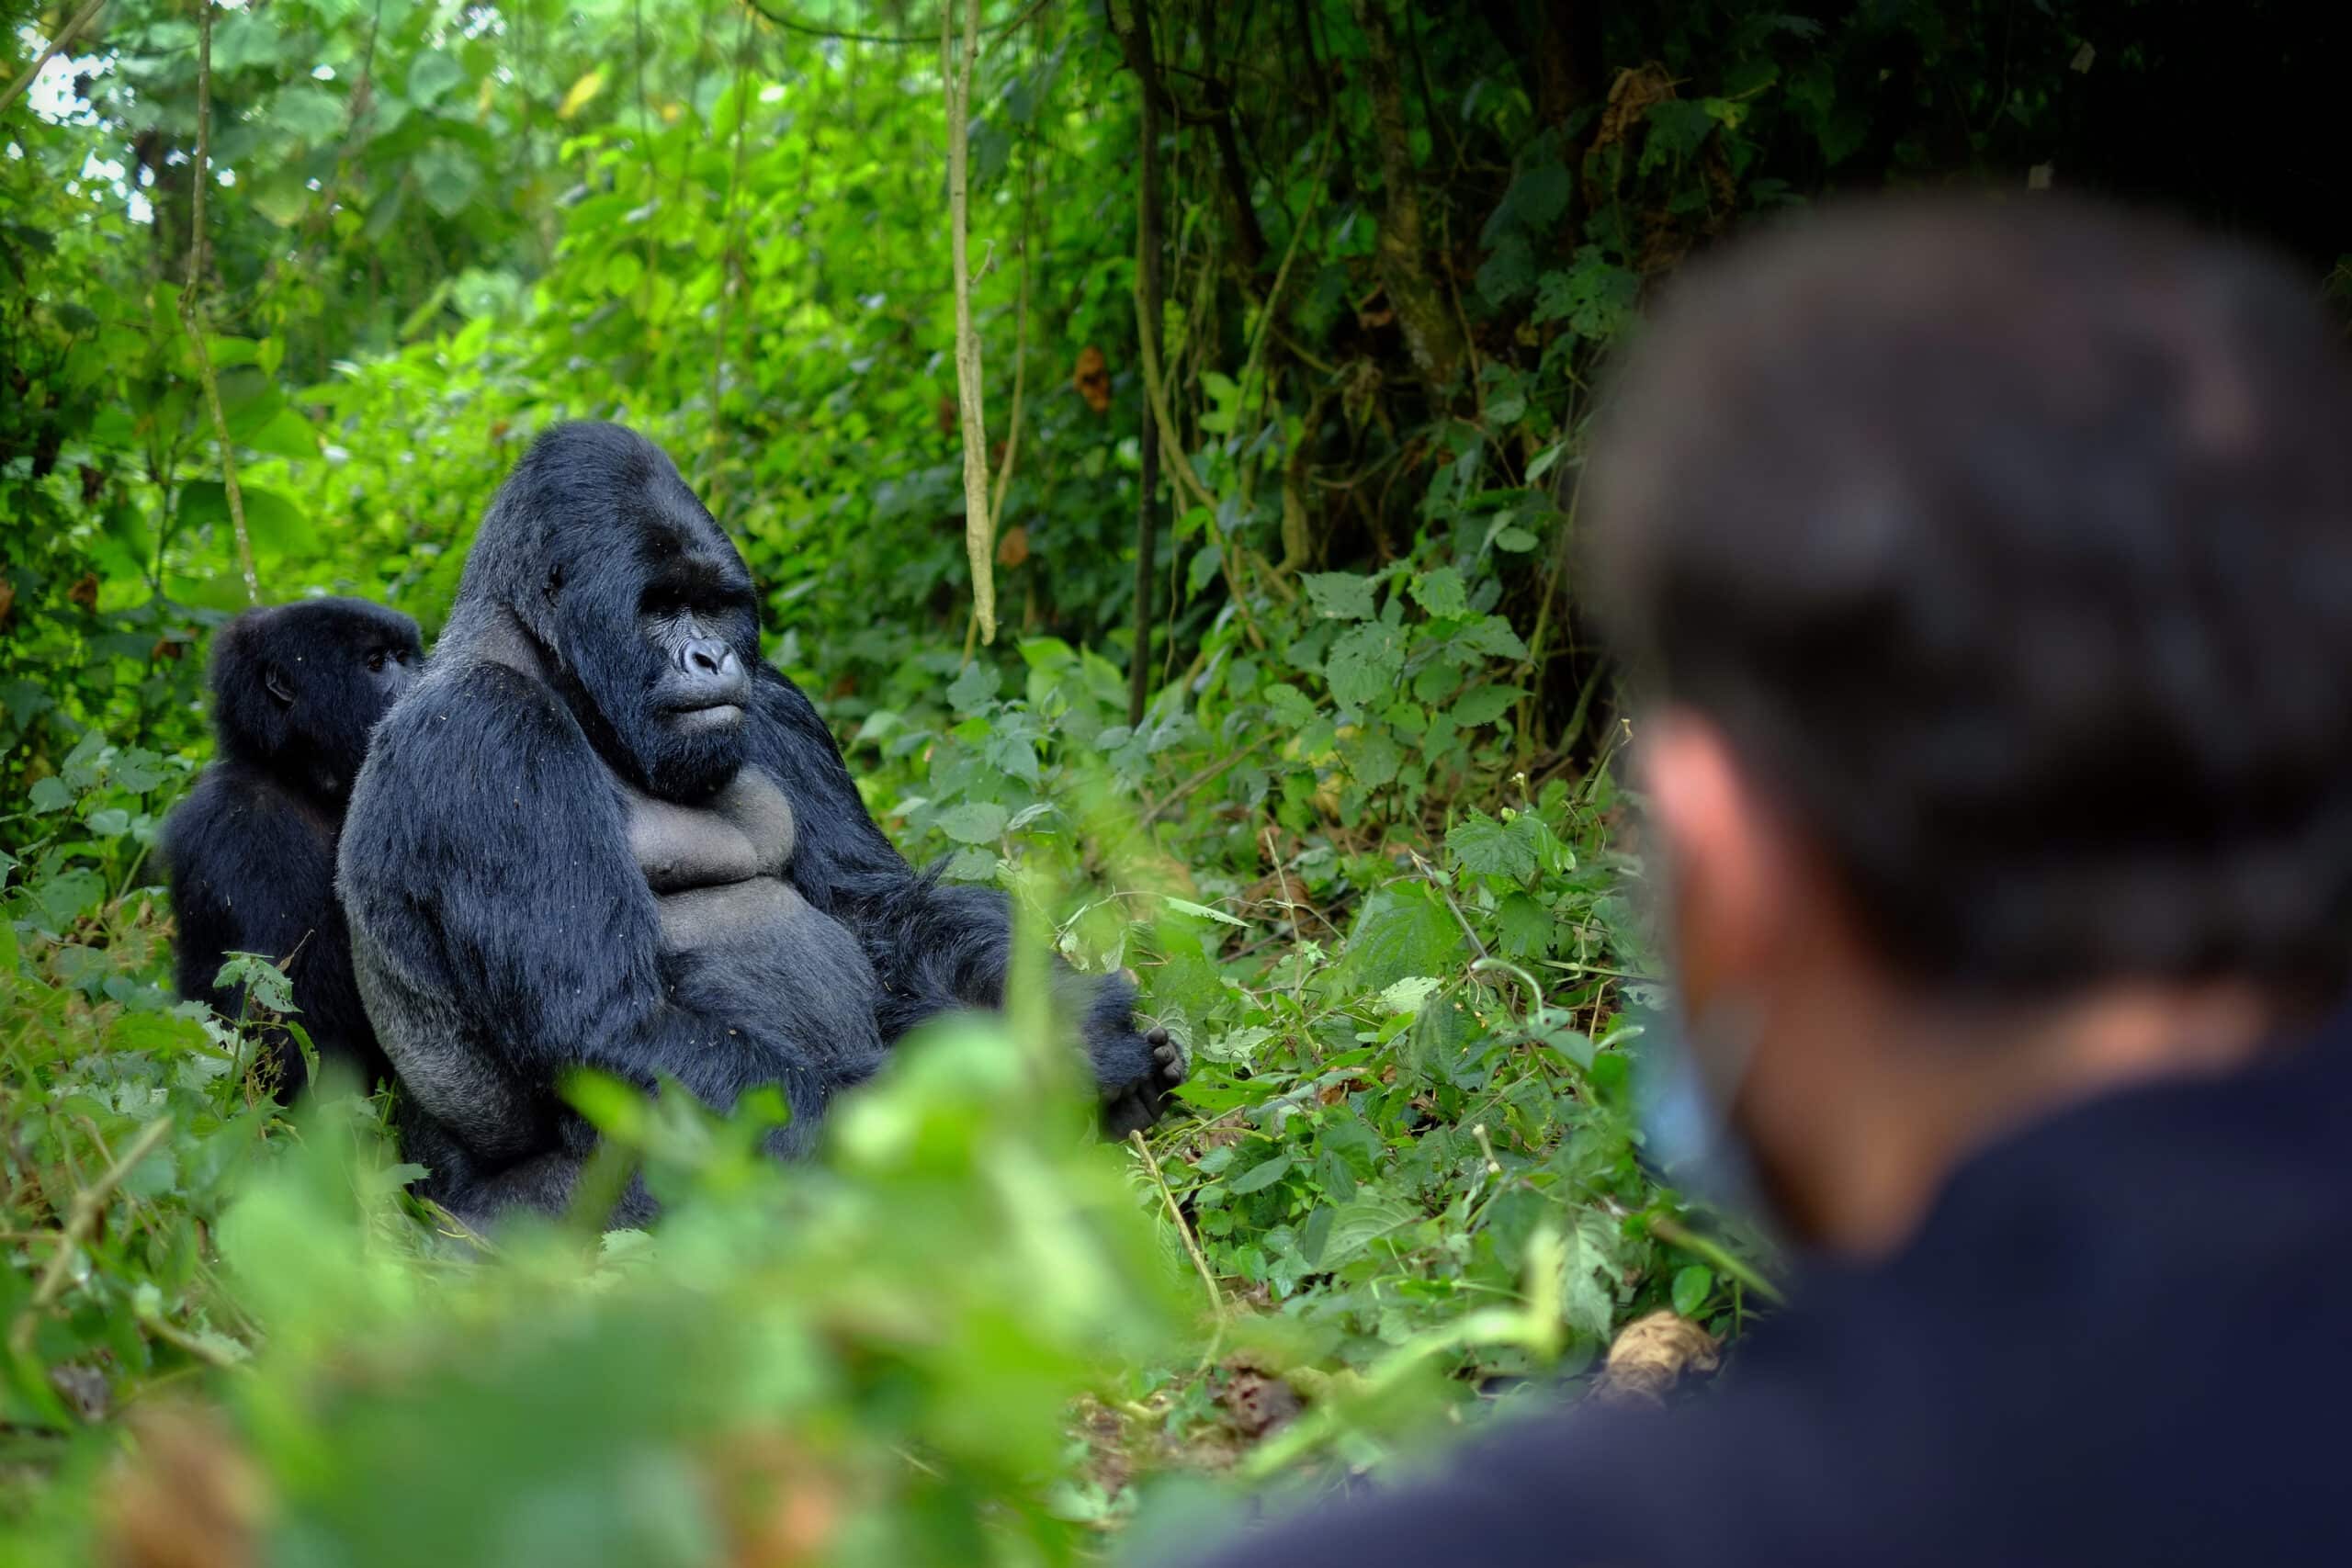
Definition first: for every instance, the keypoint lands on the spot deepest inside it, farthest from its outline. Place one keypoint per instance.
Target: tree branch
(57, 46)
(979, 537)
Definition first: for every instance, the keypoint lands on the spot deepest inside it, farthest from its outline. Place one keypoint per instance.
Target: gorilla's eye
(376, 662)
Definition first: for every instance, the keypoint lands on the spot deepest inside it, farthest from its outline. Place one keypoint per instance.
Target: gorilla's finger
(1158, 1036)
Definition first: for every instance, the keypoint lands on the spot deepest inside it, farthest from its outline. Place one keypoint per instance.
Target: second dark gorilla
(603, 832)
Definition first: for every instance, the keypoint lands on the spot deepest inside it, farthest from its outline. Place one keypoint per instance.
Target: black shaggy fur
(251, 850)
(506, 927)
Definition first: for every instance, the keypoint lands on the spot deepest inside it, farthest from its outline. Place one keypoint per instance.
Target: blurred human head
(1985, 571)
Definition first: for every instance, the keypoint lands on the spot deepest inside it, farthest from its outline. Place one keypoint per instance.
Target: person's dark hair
(2010, 546)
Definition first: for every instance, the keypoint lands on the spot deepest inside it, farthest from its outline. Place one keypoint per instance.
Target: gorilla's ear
(280, 687)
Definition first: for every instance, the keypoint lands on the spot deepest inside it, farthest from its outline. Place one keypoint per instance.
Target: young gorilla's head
(642, 608)
(297, 687)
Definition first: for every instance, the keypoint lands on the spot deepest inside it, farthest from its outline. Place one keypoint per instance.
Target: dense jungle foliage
(1291, 315)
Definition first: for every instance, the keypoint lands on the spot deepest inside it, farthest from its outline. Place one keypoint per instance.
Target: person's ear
(1722, 852)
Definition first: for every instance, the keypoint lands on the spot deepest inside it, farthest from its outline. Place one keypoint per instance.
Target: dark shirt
(2122, 1335)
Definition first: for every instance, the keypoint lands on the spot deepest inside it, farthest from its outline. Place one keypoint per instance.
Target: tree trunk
(1430, 335)
(1136, 43)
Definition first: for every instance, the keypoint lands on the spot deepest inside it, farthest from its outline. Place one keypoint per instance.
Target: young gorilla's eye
(376, 662)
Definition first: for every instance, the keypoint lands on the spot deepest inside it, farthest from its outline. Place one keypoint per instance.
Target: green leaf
(1402, 930)
(1588, 1305)
(1186, 907)
(1485, 704)
(1441, 592)
(973, 690)
(1364, 663)
(1493, 634)
(1340, 595)
(431, 75)
(1292, 709)
(50, 795)
(1361, 1220)
(1526, 927)
(1514, 539)
(1490, 848)
(1408, 995)
(1692, 1286)
(276, 524)
(974, 822)
(112, 823)
(1262, 1175)
(305, 112)
(1508, 271)
(448, 177)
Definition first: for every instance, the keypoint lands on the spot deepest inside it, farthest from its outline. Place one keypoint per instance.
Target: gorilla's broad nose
(707, 656)
(709, 674)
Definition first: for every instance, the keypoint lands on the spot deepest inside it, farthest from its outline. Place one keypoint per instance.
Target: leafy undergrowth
(1400, 1188)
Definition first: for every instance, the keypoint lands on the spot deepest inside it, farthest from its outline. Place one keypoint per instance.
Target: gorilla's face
(298, 687)
(661, 634)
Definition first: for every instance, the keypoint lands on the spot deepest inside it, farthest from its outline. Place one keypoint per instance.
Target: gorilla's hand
(1136, 1069)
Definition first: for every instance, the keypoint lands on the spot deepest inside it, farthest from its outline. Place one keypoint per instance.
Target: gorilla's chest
(739, 943)
(717, 871)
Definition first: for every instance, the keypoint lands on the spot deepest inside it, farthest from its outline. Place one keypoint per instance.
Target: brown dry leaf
(86, 593)
(7, 599)
(1630, 97)
(1651, 1355)
(187, 1497)
(946, 416)
(1092, 378)
(781, 1507)
(1013, 548)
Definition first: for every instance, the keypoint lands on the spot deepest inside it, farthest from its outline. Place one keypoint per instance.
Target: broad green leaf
(1490, 848)
(1403, 929)
(1362, 1222)
(972, 690)
(276, 524)
(1441, 592)
(1407, 995)
(1485, 704)
(50, 795)
(1493, 634)
(1364, 664)
(974, 822)
(431, 75)
(1340, 595)
(1526, 927)
(306, 112)
(1263, 1174)
(1692, 1288)
(448, 178)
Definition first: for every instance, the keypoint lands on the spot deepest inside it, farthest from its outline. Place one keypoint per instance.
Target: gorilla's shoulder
(468, 706)
(232, 806)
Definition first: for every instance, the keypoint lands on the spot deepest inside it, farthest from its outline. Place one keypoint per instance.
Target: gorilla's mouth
(707, 720)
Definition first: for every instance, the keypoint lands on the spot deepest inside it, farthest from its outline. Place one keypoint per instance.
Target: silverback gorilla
(251, 850)
(603, 832)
